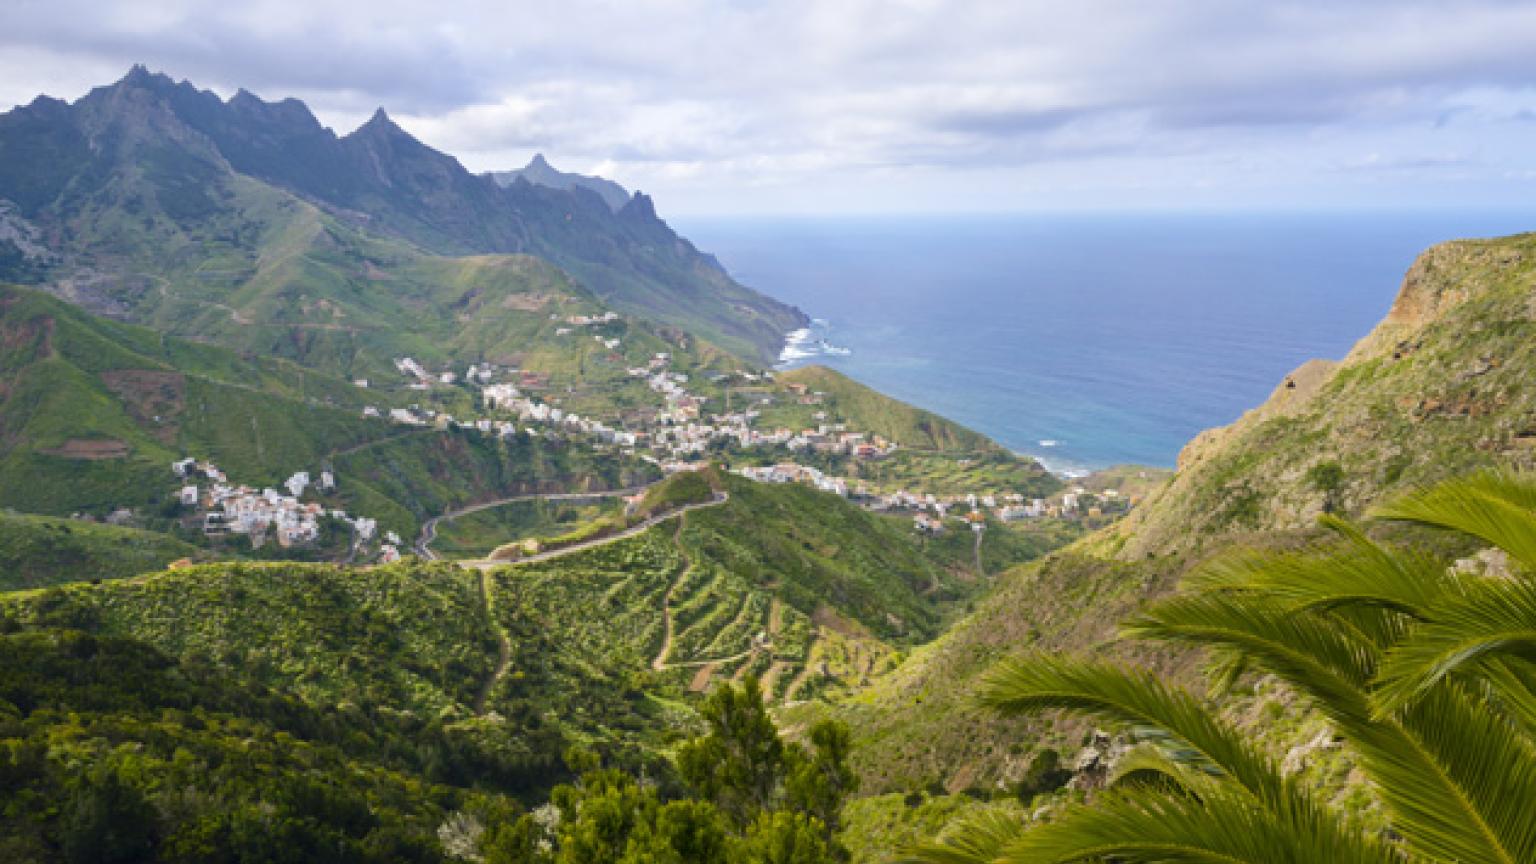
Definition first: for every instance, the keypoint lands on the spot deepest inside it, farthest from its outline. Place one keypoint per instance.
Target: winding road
(640, 528)
(429, 528)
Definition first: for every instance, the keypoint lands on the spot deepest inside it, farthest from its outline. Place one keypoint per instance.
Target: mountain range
(161, 203)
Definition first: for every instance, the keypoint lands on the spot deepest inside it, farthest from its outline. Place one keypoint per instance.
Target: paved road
(429, 528)
(486, 564)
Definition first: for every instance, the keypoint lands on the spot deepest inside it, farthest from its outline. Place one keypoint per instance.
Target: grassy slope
(814, 549)
(413, 637)
(37, 551)
(69, 377)
(869, 410)
(476, 535)
(936, 455)
(1456, 399)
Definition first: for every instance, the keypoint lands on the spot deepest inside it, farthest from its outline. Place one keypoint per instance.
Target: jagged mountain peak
(540, 172)
(641, 206)
(380, 123)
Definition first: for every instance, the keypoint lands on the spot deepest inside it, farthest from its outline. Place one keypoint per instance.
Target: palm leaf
(1359, 574)
(1149, 766)
(1444, 809)
(1144, 828)
(1488, 618)
(1134, 697)
(976, 839)
(1496, 507)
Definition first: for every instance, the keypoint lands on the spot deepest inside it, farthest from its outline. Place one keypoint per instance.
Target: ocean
(1084, 340)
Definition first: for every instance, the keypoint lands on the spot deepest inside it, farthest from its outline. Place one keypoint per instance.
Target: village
(261, 514)
(930, 511)
(680, 435)
(678, 431)
(679, 438)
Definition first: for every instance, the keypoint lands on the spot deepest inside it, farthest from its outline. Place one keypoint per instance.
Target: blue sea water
(1085, 340)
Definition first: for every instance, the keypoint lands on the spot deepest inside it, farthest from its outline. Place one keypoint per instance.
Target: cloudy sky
(854, 105)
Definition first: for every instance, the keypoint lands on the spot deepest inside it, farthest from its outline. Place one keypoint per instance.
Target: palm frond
(1444, 810)
(1144, 828)
(1149, 766)
(1308, 650)
(1360, 574)
(1134, 697)
(976, 839)
(1498, 507)
(1457, 778)
(1487, 618)
(1509, 687)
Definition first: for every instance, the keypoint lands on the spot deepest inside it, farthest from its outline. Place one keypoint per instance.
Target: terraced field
(642, 605)
(810, 594)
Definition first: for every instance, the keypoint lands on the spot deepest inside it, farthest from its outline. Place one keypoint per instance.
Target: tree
(1424, 670)
(1327, 478)
(757, 799)
(739, 765)
(786, 838)
(819, 782)
(107, 822)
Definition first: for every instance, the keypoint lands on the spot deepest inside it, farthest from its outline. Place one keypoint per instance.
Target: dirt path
(487, 564)
(981, 572)
(771, 677)
(660, 662)
(700, 681)
(805, 672)
(429, 527)
(503, 645)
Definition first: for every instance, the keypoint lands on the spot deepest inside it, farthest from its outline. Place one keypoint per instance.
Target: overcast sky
(854, 105)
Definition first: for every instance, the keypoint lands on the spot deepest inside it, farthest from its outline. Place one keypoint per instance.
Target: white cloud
(923, 104)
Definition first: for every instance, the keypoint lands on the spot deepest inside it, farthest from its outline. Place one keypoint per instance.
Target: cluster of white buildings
(584, 320)
(478, 373)
(257, 513)
(790, 472)
(930, 511)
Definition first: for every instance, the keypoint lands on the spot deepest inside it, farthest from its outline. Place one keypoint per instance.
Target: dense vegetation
(112, 751)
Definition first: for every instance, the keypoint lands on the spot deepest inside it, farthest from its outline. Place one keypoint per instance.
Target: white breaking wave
(807, 342)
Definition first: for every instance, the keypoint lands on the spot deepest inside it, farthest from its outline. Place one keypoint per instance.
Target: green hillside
(94, 412)
(868, 409)
(113, 749)
(36, 551)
